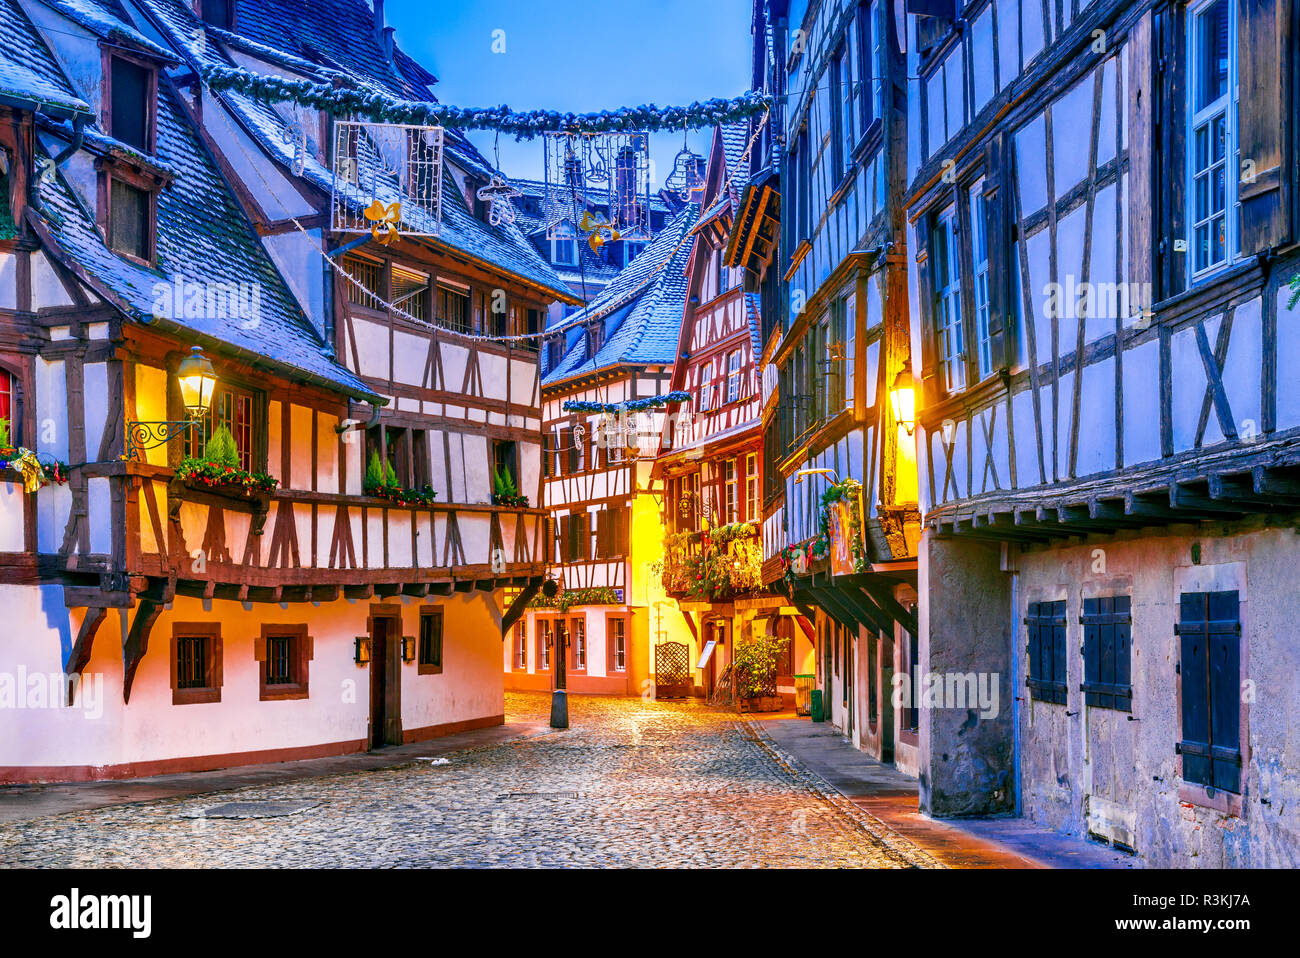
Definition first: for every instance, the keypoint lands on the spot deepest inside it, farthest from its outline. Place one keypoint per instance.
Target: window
(946, 270)
(843, 109)
(239, 411)
(1047, 664)
(429, 657)
(1107, 630)
(543, 645)
(453, 309)
(751, 487)
(1209, 682)
(912, 667)
(219, 13)
(578, 647)
(284, 652)
(130, 103)
(196, 663)
(10, 406)
(611, 533)
(1212, 137)
(573, 530)
(733, 376)
(411, 293)
(505, 462)
(706, 386)
(730, 486)
(552, 354)
(521, 646)
(129, 219)
(564, 247)
(631, 251)
(979, 232)
(616, 660)
(366, 288)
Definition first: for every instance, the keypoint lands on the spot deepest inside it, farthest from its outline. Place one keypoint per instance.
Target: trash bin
(803, 694)
(815, 703)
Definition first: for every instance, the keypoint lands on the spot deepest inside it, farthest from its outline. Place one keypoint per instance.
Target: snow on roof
(23, 76)
(107, 24)
(641, 310)
(503, 247)
(202, 236)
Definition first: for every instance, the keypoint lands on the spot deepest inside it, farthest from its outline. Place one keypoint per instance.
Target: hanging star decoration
(498, 194)
(384, 221)
(597, 227)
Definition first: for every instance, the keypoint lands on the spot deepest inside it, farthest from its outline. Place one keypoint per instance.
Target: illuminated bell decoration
(198, 381)
(685, 179)
(902, 396)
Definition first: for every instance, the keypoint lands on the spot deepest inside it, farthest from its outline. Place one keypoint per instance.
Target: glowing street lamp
(902, 396)
(197, 381)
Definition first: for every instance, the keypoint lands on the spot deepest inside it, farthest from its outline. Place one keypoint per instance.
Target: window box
(221, 486)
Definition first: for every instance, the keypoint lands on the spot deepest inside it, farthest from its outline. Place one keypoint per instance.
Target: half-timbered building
(837, 364)
(1103, 219)
(606, 374)
(710, 464)
(301, 611)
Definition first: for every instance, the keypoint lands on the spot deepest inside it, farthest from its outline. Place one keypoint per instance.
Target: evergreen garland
(382, 108)
(632, 405)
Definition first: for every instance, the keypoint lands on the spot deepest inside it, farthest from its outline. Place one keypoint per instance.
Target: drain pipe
(1015, 697)
(78, 134)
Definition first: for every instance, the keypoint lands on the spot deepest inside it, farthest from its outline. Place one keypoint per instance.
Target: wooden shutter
(999, 253)
(1264, 52)
(602, 534)
(1209, 669)
(259, 648)
(1045, 626)
(1106, 657)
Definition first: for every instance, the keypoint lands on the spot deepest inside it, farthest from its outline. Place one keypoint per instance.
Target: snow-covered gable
(202, 238)
(641, 309)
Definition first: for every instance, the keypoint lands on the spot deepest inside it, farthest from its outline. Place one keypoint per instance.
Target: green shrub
(380, 474)
(4, 433)
(221, 449)
(503, 484)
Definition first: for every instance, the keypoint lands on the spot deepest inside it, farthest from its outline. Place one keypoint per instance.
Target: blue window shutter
(1194, 682)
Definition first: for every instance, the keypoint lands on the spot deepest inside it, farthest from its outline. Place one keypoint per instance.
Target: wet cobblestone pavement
(630, 784)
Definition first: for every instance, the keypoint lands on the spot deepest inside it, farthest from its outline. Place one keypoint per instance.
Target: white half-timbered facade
(178, 623)
(606, 371)
(1102, 223)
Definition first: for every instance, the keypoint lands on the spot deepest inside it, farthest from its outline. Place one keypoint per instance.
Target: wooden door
(378, 680)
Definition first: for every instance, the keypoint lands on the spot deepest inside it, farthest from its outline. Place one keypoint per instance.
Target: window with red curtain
(234, 409)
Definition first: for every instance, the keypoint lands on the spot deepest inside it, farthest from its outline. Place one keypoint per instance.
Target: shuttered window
(1209, 675)
(1107, 631)
(1047, 664)
(130, 111)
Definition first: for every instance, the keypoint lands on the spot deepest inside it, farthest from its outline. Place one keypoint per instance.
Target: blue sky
(578, 56)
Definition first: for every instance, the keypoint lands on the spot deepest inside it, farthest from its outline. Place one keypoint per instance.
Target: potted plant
(219, 470)
(504, 490)
(381, 482)
(754, 668)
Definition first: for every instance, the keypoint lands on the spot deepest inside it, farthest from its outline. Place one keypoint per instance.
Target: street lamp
(197, 381)
(903, 398)
(559, 695)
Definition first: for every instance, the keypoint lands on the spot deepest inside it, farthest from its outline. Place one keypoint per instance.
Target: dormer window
(564, 247)
(130, 220)
(218, 13)
(131, 95)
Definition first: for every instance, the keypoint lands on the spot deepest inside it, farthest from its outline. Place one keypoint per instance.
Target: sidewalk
(890, 796)
(19, 802)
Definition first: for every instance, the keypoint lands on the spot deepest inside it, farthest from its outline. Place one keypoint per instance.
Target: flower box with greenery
(31, 471)
(753, 668)
(381, 483)
(570, 598)
(729, 563)
(504, 491)
(218, 470)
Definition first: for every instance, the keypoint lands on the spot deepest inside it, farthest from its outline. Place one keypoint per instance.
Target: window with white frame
(979, 235)
(733, 376)
(731, 490)
(1212, 137)
(706, 386)
(945, 268)
(751, 486)
(521, 646)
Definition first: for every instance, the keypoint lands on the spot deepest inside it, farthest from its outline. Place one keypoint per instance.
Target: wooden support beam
(882, 593)
(463, 585)
(440, 588)
(1185, 499)
(519, 606)
(137, 643)
(417, 589)
(366, 591)
(83, 646)
(837, 610)
(1274, 482)
(79, 596)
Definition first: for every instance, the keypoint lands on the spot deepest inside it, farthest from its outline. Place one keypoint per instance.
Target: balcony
(713, 566)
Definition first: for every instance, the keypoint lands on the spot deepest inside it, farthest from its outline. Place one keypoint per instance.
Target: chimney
(386, 43)
(379, 17)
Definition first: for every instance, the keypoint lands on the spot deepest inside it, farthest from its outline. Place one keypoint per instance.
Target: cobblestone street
(631, 783)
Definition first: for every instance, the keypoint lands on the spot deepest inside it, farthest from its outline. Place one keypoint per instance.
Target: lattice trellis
(672, 663)
(390, 167)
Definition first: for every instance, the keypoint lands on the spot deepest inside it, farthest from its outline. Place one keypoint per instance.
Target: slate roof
(25, 78)
(107, 22)
(641, 310)
(202, 237)
(343, 42)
